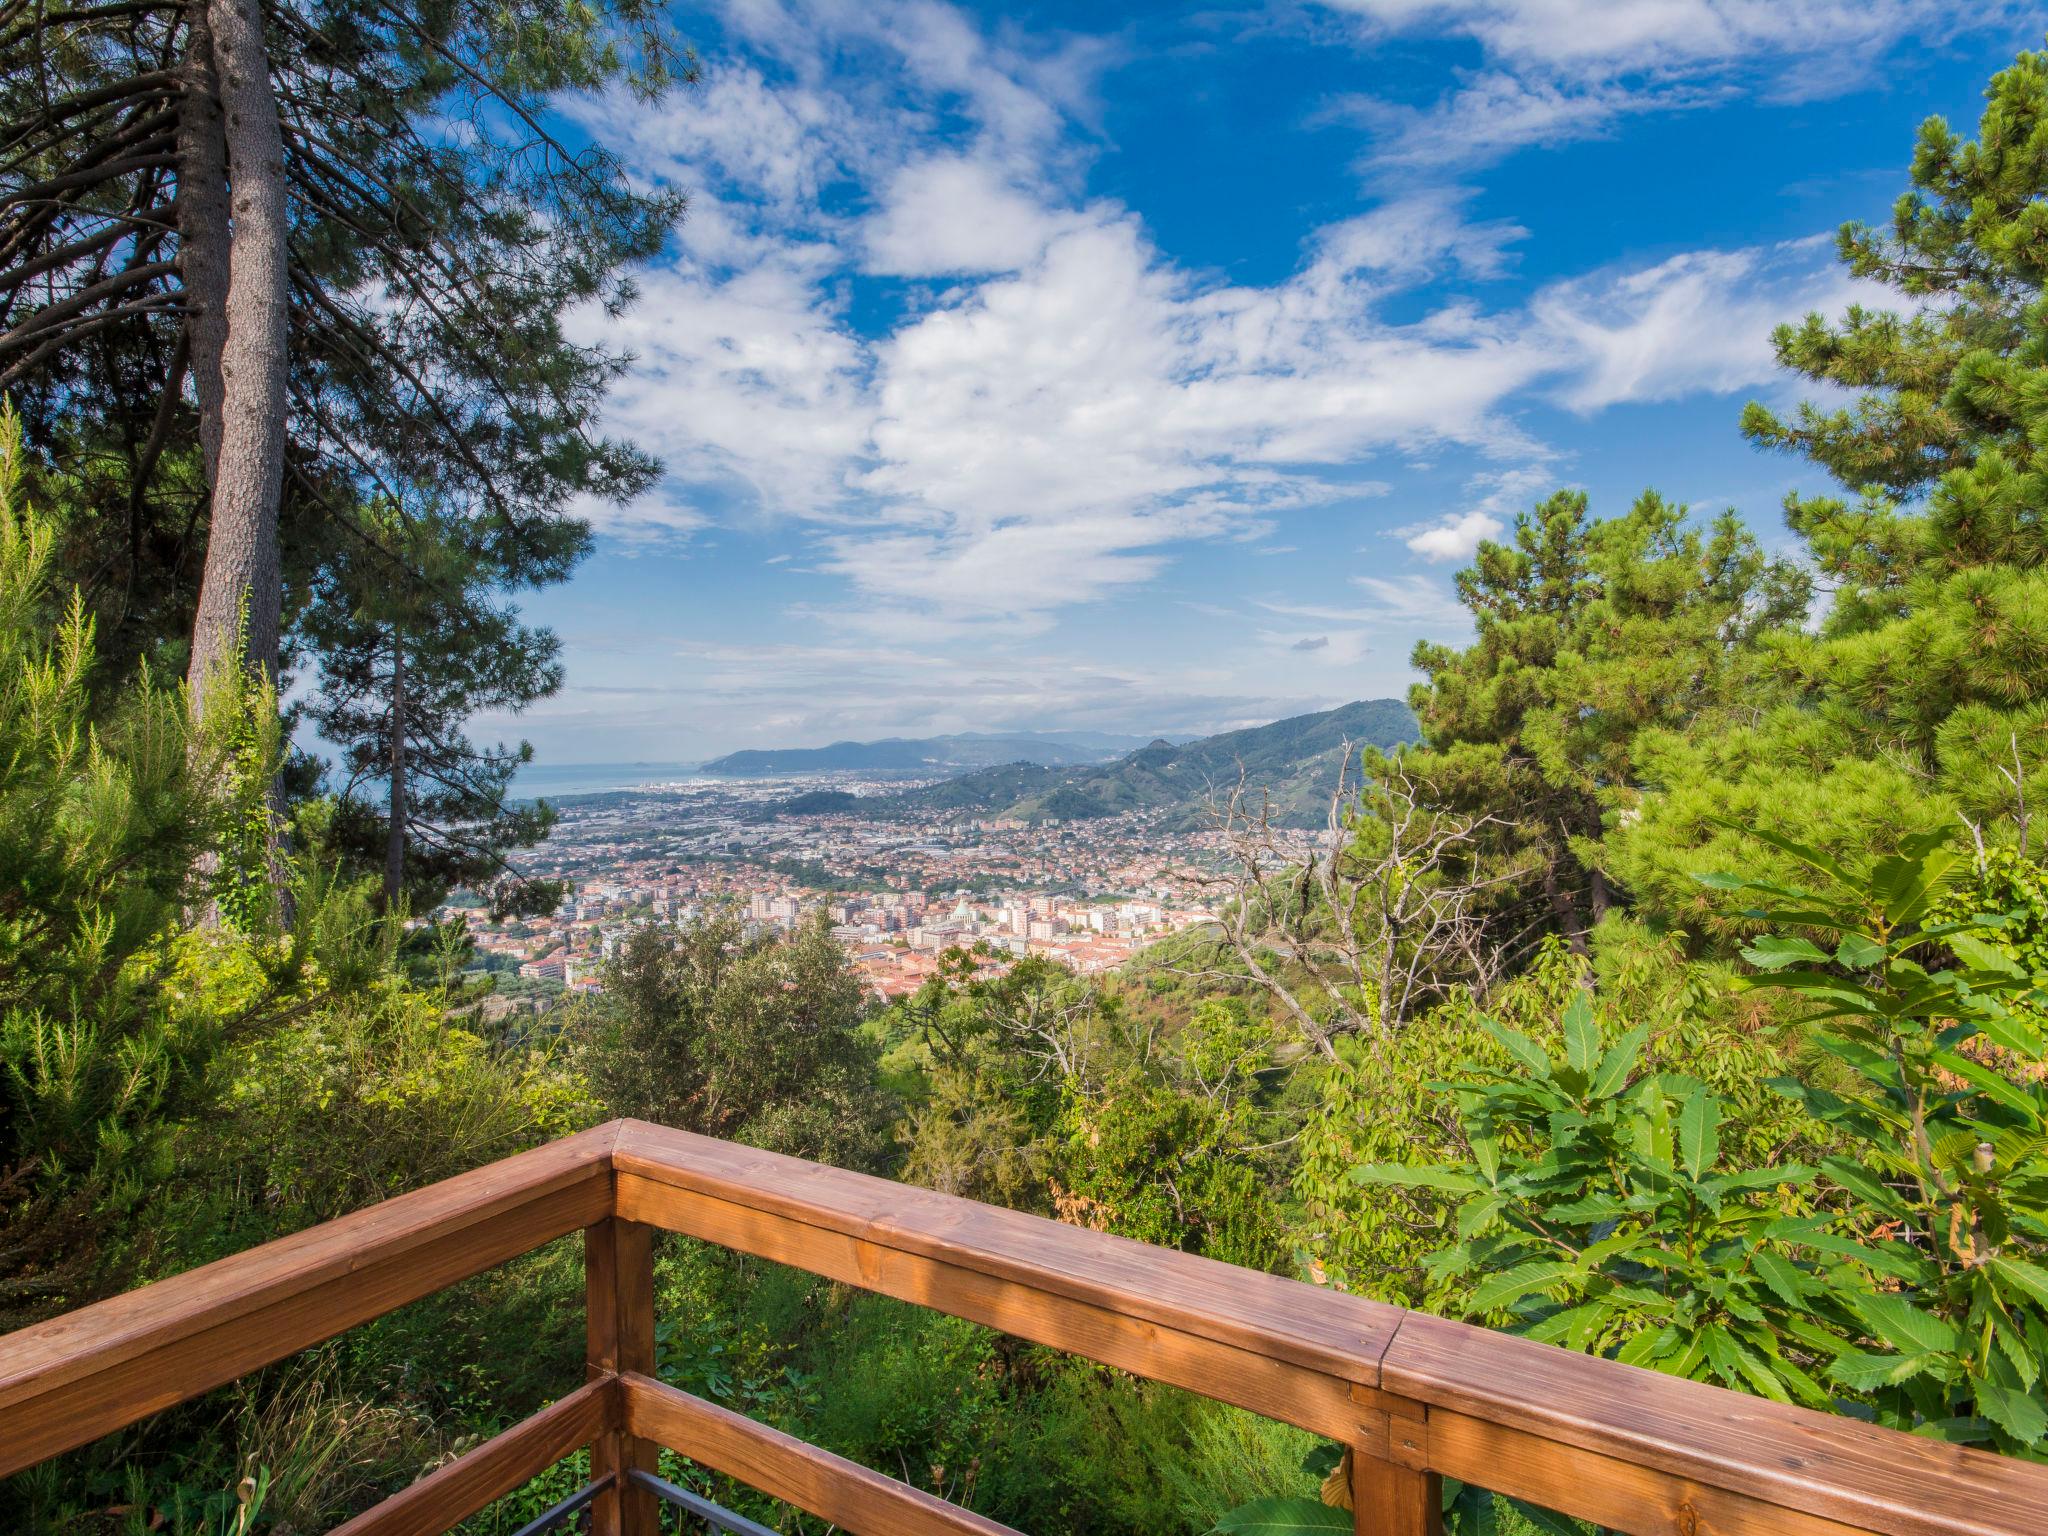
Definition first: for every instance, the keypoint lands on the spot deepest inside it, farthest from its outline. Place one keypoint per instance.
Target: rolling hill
(1294, 761)
(928, 754)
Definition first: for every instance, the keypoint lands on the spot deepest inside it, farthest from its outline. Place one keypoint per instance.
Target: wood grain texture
(618, 1265)
(1644, 1452)
(444, 1498)
(1277, 1388)
(1325, 1333)
(1392, 1500)
(841, 1492)
(1415, 1396)
(89, 1372)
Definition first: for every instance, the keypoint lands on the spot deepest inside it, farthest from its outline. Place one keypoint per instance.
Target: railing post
(1388, 1499)
(618, 1281)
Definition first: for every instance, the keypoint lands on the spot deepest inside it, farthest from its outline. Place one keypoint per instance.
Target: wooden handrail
(89, 1372)
(1415, 1397)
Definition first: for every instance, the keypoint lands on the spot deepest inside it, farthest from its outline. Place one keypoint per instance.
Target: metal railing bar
(717, 1516)
(555, 1514)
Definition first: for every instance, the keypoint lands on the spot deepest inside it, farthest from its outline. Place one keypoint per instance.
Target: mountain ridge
(1293, 761)
(960, 751)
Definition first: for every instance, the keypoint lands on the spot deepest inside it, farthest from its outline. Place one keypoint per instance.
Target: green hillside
(1294, 761)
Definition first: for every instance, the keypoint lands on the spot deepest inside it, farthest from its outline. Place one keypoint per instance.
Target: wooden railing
(1415, 1397)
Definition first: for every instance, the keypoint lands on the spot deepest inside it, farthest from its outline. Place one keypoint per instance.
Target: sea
(538, 780)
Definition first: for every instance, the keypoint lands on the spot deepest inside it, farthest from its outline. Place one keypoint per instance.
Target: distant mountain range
(1293, 761)
(930, 754)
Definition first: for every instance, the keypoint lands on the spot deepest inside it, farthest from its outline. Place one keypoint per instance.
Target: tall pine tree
(1589, 634)
(1923, 695)
(409, 649)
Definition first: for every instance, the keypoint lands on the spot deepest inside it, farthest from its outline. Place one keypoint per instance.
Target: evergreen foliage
(1589, 635)
(750, 1039)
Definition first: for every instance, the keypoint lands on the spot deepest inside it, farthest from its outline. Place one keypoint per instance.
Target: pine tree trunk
(394, 840)
(1564, 908)
(242, 583)
(203, 225)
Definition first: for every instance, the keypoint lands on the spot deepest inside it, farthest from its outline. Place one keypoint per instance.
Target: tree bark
(394, 838)
(240, 593)
(1565, 908)
(203, 225)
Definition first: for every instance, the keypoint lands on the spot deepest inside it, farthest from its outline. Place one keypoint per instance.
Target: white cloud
(1456, 537)
(1700, 321)
(1585, 38)
(1560, 70)
(1501, 495)
(1494, 112)
(1416, 236)
(1065, 406)
(952, 214)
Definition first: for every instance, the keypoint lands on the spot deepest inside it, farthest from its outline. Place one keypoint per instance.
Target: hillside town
(898, 893)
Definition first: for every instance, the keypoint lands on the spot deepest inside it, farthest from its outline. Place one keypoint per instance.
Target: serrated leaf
(1420, 1175)
(1283, 1517)
(1620, 1060)
(1517, 1283)
(1775, 951)
(1786, 1280)
(1904, 1326)
(2029, 1280)
(1519, 1046)
(1979, 955)
(1581, 1034)
(1473, 1215)
(1699, 1136)
(1906, 884)
(1861, 1371)
(1986, 1080)
(2018, 1413)
(1859, 952)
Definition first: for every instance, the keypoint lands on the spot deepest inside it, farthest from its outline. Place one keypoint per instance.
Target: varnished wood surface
(1392, 1500)
(1506, 1408)
(76, 1377)
(841, 1492)
(1633, 1450)
(618, 1273)
(1326, 1332)
(1314, 1400)
(447, 1496)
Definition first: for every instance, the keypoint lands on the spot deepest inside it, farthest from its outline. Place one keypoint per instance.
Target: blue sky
(1153, 368)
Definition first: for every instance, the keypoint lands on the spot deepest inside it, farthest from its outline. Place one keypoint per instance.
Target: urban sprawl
(898, 893)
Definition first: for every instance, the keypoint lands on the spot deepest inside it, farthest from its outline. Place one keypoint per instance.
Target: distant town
(898, 893)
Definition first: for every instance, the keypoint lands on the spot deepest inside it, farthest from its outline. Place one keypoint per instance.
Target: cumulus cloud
(952, 215)
(1500, 494)
(1456, 537)
(1057, 408)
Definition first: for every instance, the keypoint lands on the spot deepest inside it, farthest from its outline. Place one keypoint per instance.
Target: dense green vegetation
(1294, 762)
(1682, 996)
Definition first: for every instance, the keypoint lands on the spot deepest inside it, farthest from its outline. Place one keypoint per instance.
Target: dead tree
(1357, 929)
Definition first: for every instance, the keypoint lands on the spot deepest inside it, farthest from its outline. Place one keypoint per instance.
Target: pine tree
(1590, 634)
(409, 649)
(1923, 697)
(418, 279)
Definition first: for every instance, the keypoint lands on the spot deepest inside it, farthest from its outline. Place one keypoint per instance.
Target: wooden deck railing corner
(1415, 1398)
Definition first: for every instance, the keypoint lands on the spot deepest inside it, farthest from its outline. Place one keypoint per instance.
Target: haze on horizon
(1015, 373)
